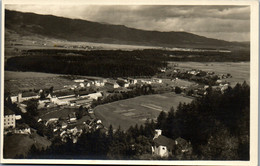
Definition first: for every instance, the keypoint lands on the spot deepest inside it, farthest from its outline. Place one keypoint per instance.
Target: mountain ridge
(89, 31)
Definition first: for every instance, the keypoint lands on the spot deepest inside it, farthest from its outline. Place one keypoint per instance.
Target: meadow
(18, 81)
(133, 111)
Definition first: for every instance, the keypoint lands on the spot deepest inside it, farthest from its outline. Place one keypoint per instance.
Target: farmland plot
(133, 111)
(18, 81)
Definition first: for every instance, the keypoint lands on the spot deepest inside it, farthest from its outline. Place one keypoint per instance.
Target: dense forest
(216, 125)
(110, 63)
(94, 63)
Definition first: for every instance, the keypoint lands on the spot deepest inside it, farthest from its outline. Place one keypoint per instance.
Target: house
(95, 95)
(81, 101)
(18, 117)
(81, 85)
(163, 146)
(98, 82)
(163, 70)
(79, 80)
(27, 96)
(112, 85)
(63, 98)
(14, 99)
(62, 124)
(132, 81)
(9, 118)
(157, 80)
(72, 117)
(71, 133)
(51, 120)
(22, 129)
(146, 81)
(22, 107)
(24, 96)
(43, 103)
(182, 146)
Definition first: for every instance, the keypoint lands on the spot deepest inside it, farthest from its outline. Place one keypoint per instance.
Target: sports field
(133, 111)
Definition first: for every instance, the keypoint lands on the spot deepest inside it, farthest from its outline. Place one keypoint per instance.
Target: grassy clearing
(240, 71)
(18, 81)
(133, 111)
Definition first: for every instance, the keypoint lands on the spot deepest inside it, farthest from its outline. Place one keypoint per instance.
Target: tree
(178, 90)
(42, 95)
(161, 120)
(32, 107)
(51, 90)
(190, 92)
(80, 112)
(110, 132)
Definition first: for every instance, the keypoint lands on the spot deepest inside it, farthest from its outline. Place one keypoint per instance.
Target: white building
(112, 85)
(163, 146)
(95, 95)
(23, 131)
(79, 80)
(132, 81)
(9, 118)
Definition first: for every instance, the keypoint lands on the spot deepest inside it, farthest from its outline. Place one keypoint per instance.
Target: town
(68, 112)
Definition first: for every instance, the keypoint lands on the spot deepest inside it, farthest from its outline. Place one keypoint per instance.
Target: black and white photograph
(151, 83)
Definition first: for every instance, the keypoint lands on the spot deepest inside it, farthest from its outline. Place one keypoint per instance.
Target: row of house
(151, 81)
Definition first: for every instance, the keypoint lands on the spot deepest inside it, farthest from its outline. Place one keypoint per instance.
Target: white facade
(160, 150)
(22, 131)
(9, 121)
(21, 99)
(79, 80)
(157, 133)
(113, 85)
(18, 117)
(95, 95)
(14, 99)
(126, 85)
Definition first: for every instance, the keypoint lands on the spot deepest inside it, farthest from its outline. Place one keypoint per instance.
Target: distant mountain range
(82, 30)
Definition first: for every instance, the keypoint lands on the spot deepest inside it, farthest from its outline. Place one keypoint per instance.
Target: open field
(18, 81)
(13, 46)
(240, 71)
(133, 111)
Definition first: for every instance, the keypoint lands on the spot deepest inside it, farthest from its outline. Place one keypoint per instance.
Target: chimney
(157, 133)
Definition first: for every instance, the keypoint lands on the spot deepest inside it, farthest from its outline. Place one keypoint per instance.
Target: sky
(230, 23)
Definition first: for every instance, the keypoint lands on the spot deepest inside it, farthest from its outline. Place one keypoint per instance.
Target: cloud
(208, 20)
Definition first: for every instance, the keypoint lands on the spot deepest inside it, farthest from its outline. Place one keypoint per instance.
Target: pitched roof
(64, 93)
(72, 115)
(164, 141)
(181, 141)
(29, 94)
